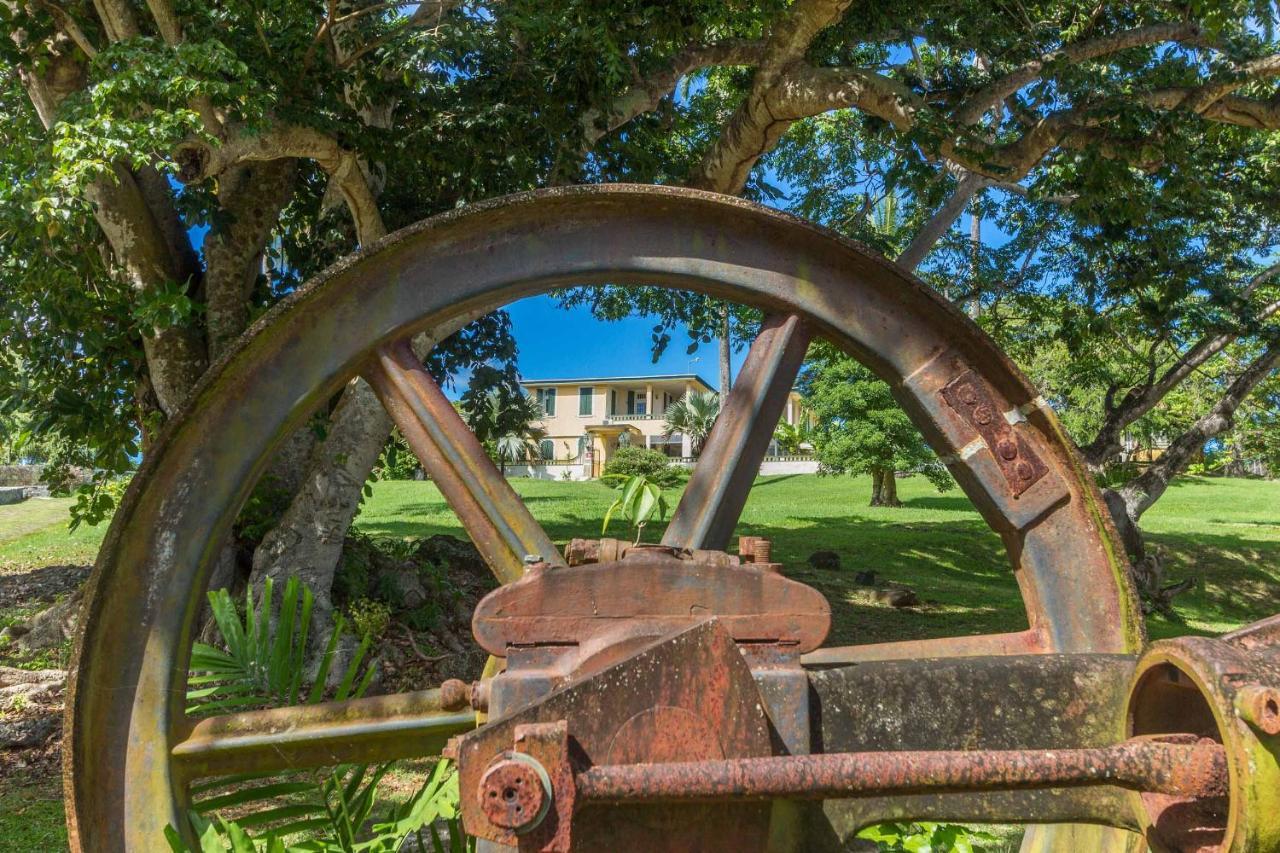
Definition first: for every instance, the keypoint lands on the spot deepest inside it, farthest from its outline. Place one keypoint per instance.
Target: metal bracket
(969, 395)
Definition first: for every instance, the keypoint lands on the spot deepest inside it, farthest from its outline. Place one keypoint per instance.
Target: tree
(791, 438)
(503, 417)
(693, 415)
(184, 166)
(862, 429)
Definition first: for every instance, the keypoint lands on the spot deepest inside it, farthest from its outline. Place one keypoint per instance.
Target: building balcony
(632, 417)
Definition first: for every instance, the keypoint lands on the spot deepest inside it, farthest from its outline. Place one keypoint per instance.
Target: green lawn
(1227, 532)
(34, 533)
(1224, 531)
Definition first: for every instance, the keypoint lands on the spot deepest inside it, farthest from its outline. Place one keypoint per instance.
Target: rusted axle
(1181, 769)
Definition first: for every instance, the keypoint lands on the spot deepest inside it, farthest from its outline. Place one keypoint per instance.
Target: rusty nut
(515, 793)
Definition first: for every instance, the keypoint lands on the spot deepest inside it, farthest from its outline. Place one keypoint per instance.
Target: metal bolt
(454, 695)
(1024, 470)
(983, 415)
(1007, 448)
(1260, 706)
(967, 394)
(760, 550)
(515, 793)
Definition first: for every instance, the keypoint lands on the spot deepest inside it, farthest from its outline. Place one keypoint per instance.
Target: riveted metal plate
(970, 396)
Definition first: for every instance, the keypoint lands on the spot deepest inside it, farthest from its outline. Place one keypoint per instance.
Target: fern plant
(261, 662)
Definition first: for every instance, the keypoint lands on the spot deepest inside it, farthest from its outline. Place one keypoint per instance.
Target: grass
(34, 533)
(31, 818)
(1225, 532)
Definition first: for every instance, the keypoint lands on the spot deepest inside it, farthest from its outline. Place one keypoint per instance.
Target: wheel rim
(125, 708)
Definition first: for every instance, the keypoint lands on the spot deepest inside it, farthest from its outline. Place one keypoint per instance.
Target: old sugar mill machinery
(679, 697)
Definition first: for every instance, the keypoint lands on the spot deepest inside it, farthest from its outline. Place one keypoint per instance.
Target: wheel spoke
(380, 728)
(717, 491)
(494, 516)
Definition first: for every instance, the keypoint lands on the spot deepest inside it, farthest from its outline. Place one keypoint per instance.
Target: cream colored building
(587, 419)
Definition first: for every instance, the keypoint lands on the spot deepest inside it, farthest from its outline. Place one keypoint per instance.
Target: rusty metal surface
(125, 701)
(1185, 770)
(498, 522)
(689, 694)
(515, 793)
(730, 460)
(1001, 702)
(1205, 687)
(969, 395)
(605, 605)
(378, 728)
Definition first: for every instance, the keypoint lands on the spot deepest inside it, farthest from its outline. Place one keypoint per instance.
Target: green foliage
(369, 618)
(693, 415)
(861, 428)
(344, 820)
(791, 437)
(930, 838)
(641, 502)
(261, 663)
(96, 501)
(397, 460)
(654, 464)
(502, 416)
(262, 660)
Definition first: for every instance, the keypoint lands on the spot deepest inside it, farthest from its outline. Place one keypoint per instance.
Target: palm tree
(693, 415)
(792, 437)
(504, 423)
(518, 446)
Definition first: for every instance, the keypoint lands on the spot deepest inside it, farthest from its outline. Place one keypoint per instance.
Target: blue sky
(563, 344)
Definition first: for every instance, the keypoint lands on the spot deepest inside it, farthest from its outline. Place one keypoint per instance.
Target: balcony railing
(634, 417)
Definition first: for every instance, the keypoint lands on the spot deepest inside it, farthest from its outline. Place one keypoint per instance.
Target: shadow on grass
(958, 564)
(1238, 578)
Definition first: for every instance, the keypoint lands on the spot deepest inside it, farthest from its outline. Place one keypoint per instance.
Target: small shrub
(641, 502)
(941, 837)
(369, 617)
(640, 461)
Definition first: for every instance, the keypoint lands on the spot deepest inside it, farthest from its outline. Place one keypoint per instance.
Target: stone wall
(549, 471)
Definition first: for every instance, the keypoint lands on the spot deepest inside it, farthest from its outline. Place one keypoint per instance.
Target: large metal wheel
(132, 751)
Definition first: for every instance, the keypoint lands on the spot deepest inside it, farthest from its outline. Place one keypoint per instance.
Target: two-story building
(587, 419)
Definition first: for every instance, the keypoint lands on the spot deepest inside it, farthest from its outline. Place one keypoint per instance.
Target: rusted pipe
(1192, 770)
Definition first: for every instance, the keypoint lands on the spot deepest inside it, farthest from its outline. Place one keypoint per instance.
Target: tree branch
(649, 92)
(1145, 489)
(942, 220)
(117, 19)
(198, 160)
(756, 127)
(1007, 85)
(71, 28)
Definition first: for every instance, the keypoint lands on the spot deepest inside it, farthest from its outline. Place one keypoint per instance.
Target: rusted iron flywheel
(715, 674)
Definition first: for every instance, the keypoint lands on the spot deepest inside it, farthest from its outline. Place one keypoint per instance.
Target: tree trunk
(1128, 502)
(726, 367)
(307, 541)
(974, 308)
(251, 196)
(884, 487)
